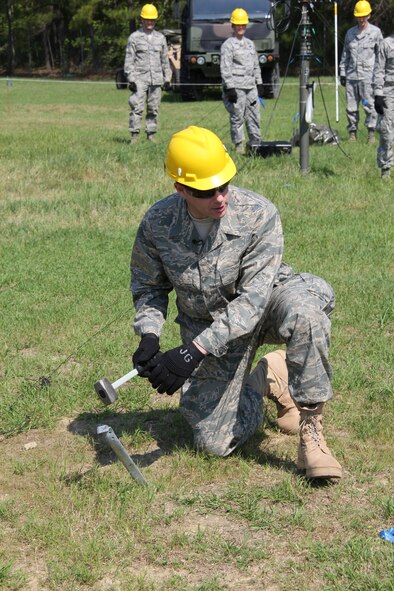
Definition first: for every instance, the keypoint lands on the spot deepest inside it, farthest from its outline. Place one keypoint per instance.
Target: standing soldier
(147, 68)
(356, 70)
(242, 83)
(384, 104)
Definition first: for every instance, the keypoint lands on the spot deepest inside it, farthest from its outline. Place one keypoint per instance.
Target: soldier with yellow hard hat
(242, 82)
(147, 69)
(359, 54)
(219, 248)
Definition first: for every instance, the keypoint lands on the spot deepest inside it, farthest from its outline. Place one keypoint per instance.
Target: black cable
(45, 381)
(283, 81)
(328, 119)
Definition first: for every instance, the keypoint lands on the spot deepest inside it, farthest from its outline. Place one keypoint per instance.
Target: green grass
(72, 192)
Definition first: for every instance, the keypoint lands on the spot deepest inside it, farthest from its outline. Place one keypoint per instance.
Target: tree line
(89, 36)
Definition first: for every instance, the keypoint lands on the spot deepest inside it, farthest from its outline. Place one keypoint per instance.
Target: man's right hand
(147, 349)
(132, 87)
(380, 104)
(231, 95)
(342, 80)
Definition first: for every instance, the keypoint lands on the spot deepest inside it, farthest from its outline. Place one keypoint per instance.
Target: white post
(336, 60)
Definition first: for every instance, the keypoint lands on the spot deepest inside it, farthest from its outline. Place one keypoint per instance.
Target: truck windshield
(222, 9)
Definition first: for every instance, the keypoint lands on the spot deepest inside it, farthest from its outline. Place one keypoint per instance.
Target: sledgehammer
(107, 391)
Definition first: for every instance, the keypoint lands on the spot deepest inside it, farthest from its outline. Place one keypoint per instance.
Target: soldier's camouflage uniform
(239, 69)
(357, 64)
(147, 65)
(233, 294)
(384, 86)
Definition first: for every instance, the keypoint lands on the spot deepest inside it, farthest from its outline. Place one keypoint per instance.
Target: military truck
(205, 24)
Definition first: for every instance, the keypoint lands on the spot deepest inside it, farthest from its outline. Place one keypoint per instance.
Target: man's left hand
(174, 367)
(166, 86)
(260, 90)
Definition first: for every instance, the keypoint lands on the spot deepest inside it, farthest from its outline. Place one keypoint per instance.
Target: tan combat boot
(278, 391)
(352, 136)
(271, 379)
(240, 148)
(313, 454)
(371, 136)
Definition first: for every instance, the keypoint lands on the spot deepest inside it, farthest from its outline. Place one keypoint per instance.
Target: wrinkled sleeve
(130, 61)
(226, 65)
(149, 283)
(379, 70)
(165, 62)
(260, 265)
(256, 68)
(344, 58)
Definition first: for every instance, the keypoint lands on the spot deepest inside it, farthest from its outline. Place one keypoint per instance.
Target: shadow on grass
(167, 427)
(170, 431)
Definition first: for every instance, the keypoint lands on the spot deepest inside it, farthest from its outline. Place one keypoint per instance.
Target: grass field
(72, 192)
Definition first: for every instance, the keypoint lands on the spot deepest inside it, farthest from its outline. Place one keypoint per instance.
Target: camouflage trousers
(152, 96)
(385, 127)
(221, 406)
(245, 110)
(360, 91)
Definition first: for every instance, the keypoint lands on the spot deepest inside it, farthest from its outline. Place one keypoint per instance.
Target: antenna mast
(305, 88)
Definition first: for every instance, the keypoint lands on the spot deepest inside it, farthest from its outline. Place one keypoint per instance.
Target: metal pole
(305, 53)
(336, 61)
(107, 434)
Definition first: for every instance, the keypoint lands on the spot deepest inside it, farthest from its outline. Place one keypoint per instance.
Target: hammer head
(106, 391)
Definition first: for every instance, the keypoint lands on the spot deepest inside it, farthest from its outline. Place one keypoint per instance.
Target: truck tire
(176, 78)
(271, 82)
(120, 79)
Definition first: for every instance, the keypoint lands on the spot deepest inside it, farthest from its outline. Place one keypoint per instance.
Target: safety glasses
(209, 193)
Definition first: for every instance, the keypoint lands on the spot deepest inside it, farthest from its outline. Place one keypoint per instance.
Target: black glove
(342, 80)
(231, 95)
(132, 87)
(147, 349)
(166, 86)
(174, 367)
(380, 104)
(260, 90)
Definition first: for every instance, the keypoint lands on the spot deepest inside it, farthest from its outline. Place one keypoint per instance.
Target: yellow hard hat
(362, 8)
(197, 158)
(239, 16)
(149, 12)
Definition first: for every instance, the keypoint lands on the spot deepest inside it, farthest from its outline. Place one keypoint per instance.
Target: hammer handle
(125, 378)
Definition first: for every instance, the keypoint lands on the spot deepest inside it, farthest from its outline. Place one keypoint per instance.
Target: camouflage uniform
(233, 294)
(384, 86)
(147, 65)
(357, 63)
(239, 69)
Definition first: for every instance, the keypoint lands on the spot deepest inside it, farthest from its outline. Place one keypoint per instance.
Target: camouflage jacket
(147, 58)
(359, 53)
(384, 67)
(222, 285)
(239, 66)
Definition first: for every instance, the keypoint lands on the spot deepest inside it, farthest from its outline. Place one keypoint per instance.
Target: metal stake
(107, 434)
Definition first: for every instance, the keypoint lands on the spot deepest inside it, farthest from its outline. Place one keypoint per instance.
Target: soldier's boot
(151, 138)
(278, 392)
(386, 173)
(313, 454)
(134, 138)
(240, 148)
(270, 378)
(371, 136)
(352, 136)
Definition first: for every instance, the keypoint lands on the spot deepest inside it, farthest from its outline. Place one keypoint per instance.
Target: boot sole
(323, 473)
